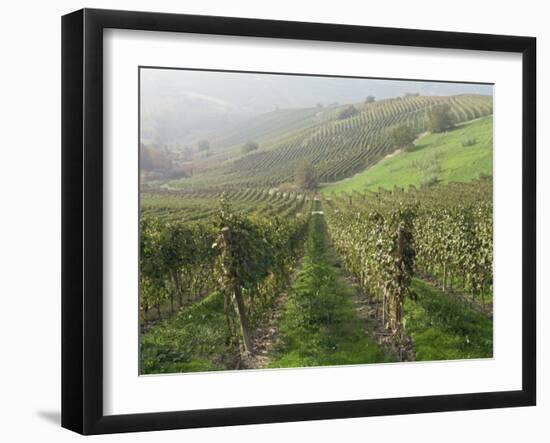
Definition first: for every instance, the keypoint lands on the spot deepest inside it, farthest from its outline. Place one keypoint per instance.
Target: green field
(441, 158)
(445, 328)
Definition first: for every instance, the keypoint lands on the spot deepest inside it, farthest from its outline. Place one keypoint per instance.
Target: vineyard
(418, 263)
(338, 147)
(435, 158)
(373, 252)
(172, 205)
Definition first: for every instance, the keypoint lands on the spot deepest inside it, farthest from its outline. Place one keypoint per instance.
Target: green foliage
(202, 204)
(378, 248)
(370, 99)
(320, 325)
(176, 260)
(456, 163)
(403, 136)
(243, 255)
(254, 259)
(157, 163)
(444, 328)
(193, 340)
(430, 169)
(388, 237)
(452, 229)
(455, 238)
(469, 142)
(384, 238)
(440, 118)
(305, 177)
(153, 274)
(249, 258)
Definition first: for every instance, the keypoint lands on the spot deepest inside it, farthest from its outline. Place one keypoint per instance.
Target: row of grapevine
(196, 205)
(248, 258)
(255, 256)
(378, 249)
(176, 262)
(387, 237)
(453, 231)
(454, 236)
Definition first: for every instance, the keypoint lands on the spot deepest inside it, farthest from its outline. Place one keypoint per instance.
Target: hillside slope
(266, 128)
(338, 147)
(437, 158)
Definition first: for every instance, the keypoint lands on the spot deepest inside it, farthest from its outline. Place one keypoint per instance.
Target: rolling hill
(460, 155)
(338, 147)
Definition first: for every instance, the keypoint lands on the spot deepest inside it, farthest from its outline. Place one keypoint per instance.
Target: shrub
(347, 112)
(249, 147)
(469, 142)
(203, 145)
(440, 118)
(403, 136)
(305, 176)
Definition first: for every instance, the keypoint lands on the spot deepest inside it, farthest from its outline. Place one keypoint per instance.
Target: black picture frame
(82, 220)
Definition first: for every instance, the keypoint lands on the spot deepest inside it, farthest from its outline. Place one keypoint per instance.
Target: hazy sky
(180, 103)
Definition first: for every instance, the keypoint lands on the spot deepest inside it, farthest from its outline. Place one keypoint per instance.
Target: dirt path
(265, 337)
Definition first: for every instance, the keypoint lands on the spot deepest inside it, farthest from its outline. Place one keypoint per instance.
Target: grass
(195, 339)
(320, 326)
(460, 155)
(444, 328)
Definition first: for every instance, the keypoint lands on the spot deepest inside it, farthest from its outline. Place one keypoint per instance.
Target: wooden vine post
(233, 286)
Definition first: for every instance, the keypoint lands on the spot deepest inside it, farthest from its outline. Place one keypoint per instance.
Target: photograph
(293, 221)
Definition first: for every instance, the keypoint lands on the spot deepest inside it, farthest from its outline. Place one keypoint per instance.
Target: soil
(265, 337)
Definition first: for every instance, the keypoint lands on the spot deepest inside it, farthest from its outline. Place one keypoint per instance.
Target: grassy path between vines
(320, 325)
(446, 328)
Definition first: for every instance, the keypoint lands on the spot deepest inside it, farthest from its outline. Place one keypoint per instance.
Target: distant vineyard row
(337, 147)
(196, 205)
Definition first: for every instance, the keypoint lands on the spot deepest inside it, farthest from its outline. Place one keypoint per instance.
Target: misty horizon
(179, 106)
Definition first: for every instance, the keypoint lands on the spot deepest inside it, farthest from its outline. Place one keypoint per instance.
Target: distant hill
(267, 127)
(178, 107)
(338, 147)
(460, 155)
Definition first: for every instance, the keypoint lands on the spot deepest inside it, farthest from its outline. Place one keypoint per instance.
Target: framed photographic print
(269, 221)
